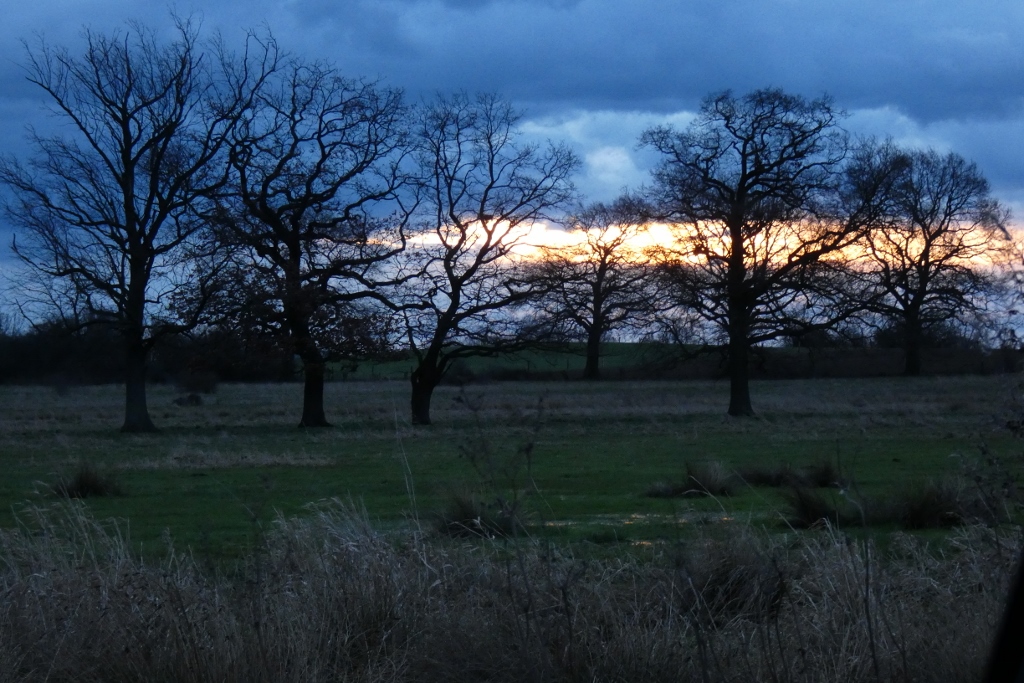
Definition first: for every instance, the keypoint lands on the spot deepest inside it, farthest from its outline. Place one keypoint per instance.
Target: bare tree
(311, 212)
(602, 279)
(482, 190)
(110, 209)
(935, 259)
(763, 209)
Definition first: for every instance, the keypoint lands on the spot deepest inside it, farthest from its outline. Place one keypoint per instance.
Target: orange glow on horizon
(534, 241)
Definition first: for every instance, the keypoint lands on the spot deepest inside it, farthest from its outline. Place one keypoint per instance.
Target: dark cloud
(933, 59)
(943, 73)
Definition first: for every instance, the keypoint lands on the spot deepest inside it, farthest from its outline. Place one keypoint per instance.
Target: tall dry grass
(328, 598)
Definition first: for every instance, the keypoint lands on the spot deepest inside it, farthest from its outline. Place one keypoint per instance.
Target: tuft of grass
(667, 489)
(86, 482)
(931, 504)
(736, 577)
(467, 516)
(994, 481)
(779, 475)
(820, 474)
(711, 478)
(934, 504)
(809, 508)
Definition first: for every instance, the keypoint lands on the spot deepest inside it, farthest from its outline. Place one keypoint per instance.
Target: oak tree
(601, 280)
(935, 259)
(108, 206)
(313, 219)
(763, 204)
(482, 188)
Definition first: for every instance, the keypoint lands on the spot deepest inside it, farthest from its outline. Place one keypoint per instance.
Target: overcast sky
(595, 73)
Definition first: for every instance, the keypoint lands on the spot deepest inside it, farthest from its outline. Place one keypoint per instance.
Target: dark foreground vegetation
(328, 598)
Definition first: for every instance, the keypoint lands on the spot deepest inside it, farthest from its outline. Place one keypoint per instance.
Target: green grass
(217, 473)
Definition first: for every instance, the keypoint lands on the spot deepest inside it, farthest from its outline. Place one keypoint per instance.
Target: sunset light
(540, 238)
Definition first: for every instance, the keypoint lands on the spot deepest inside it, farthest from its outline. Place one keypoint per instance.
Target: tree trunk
(739, 321)
(592, 370)
(313, 394)
(136, 412)
(424, 379)
(739, 377)
(912, 349)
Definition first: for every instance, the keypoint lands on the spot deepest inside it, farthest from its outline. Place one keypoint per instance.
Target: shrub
(459, 373)
(188, 400)
(198, 382)
(87, 481)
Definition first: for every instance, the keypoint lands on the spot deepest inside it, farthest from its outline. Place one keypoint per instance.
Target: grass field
(271, 553)
(576, 458)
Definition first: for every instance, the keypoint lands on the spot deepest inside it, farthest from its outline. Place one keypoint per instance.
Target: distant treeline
(54, 356)
(51, 355)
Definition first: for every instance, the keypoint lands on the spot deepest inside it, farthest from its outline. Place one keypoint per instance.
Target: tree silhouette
(310, 214)
(602, 280)
(763, 203)
(481, 190)
(109, 212)
(933, 261)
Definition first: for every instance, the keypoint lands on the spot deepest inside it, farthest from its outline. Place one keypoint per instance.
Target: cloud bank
(595, 73)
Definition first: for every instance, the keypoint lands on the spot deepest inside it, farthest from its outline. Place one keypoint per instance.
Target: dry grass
(327, 598)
